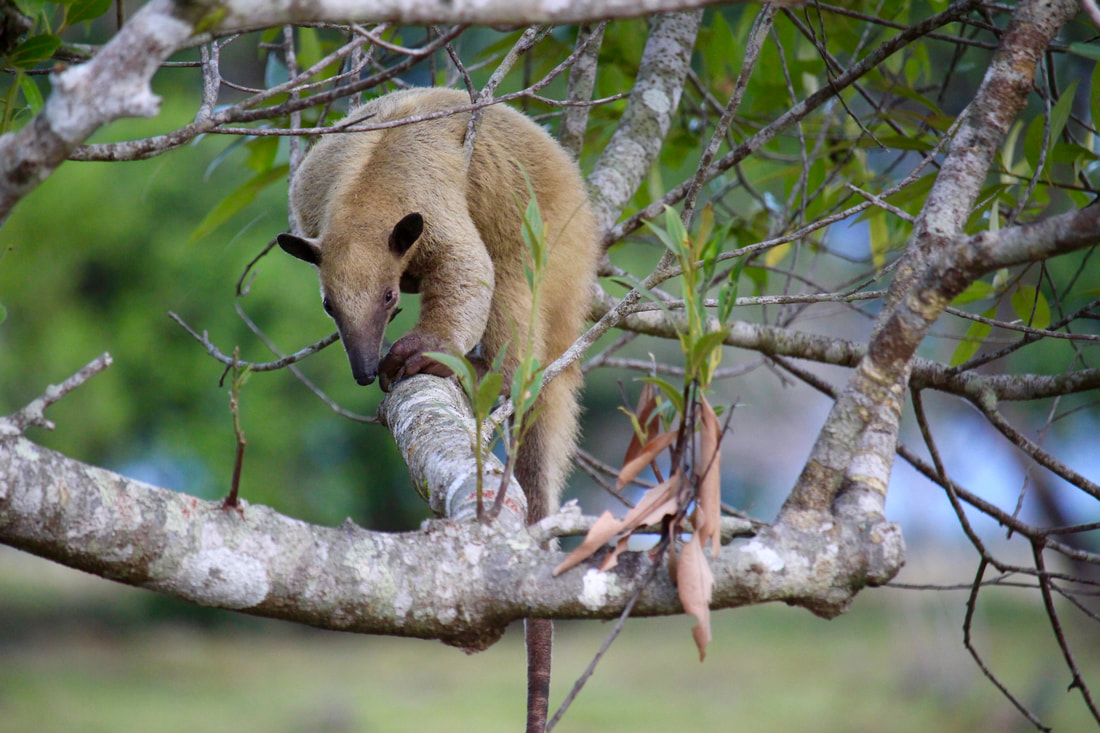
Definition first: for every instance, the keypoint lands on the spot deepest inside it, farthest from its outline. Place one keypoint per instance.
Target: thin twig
(33, 415)
(612, 635)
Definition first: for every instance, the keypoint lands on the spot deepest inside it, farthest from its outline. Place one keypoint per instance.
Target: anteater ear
(308, 250)
(405, 234)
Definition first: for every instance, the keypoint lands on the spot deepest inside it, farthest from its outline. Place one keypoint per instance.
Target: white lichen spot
(402, 603)
(657, 101)
(596, 589)
(553, 7)
(763, 558)
(473, 553)
(26, 451)
(223, 578)
(118, 554)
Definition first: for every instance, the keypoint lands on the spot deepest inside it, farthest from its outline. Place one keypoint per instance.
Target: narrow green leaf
(879, 235)
(704, 357)
(461, 366)
(1085, 50)
(236, 201)
(671, 393)
(1059, 114)
(31, 92)
(1033, 142)
(973, 339)
(1031, 307)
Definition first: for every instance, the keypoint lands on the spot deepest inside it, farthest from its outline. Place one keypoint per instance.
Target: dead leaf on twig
(695, 583)
(645, 456)
(708, 507)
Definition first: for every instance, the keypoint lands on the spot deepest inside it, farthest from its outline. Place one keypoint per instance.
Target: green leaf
(1059, 114)
(880, 238)
(703, 356)
(31, 8)
(308, 48)
(34, 50)
(671, 393)
(1086, 50)
(1033, 142)
(1094, 90)
(972, 341)
(236, 201)
(488, 392)
(82, 10)
(1031, 306)
(461, 366)
(31, 92)
(977, 290)
(261, 152)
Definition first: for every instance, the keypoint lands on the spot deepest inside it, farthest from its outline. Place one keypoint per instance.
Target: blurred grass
(81, 654)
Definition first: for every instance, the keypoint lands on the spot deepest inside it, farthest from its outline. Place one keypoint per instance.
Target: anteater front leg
(456, 292)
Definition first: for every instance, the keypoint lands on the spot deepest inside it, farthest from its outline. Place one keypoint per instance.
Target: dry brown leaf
(605, 527)
(612, 558)
(646, 456)
(708, 515)
(653, 505)
(695, 583)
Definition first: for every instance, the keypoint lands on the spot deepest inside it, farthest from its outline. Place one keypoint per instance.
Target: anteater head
(360, 273)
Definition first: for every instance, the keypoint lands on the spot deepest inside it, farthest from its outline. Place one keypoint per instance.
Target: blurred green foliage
(97, 257)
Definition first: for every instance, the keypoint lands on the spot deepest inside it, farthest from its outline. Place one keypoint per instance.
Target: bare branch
(34, 414)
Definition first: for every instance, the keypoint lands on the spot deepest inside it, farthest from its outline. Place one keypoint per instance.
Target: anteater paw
(406, 357)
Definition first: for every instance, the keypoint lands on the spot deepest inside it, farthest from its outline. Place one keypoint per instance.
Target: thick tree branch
(431, 422)
(654, 98)
(238, 14)
(114, 84)
(855, 449)
(984, 124)
(460, 582)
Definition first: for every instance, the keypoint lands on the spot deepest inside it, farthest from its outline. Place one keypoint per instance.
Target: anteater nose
(364, 379)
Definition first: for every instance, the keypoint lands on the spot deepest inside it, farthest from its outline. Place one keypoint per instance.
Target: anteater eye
(327, 305)
(390, 297)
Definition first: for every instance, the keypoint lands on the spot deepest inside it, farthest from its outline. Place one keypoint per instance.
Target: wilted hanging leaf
(654, 504)
(636, 465)
(605, 528)
(695, 583)
(652, 508)
(709, 503)
(612, 558)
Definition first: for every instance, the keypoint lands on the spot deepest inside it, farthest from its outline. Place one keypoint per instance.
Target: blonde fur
(468, 264)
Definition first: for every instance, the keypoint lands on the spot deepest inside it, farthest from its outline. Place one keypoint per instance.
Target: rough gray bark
(460, 582)
(654, 99)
